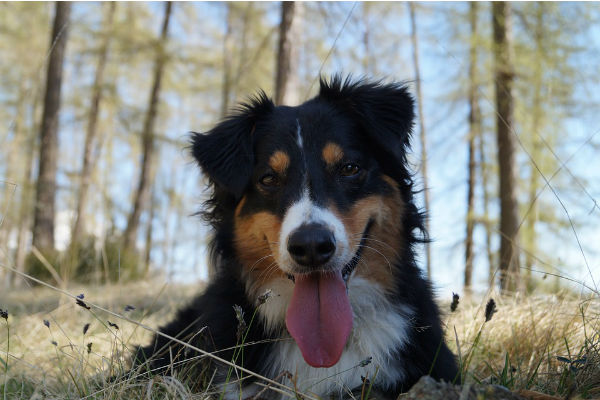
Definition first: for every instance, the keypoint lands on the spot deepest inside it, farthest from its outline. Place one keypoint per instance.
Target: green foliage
(45, 268)
(17, 388)
(87, 261)
(109, 263)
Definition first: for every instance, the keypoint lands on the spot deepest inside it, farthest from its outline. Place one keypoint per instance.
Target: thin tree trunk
(142, 193)
(44, 208)
(26, 198)
(227, 84)
(286, 79)
(487, 223)
(148, 249)
(90, 135)
(227, 60)
(247, 23)
(423, 137)
(366, 60)
(474, 132)
(530, 235)
(15, 153)
(509, 213)
(12, 165)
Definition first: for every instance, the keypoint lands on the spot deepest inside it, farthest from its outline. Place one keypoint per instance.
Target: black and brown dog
(314, 206)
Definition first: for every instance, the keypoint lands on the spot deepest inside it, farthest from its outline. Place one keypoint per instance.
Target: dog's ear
(226, 152)
(385, 112)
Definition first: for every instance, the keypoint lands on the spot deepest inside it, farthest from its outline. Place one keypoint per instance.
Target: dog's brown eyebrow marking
(279, 161)
(332, 153)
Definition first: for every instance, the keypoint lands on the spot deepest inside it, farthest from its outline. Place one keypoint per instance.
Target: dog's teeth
(291, 278)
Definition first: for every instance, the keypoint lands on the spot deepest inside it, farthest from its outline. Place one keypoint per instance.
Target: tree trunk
(12, 165)
(142, 193)
(487, 222)
(18, 149)
(423, 137)
(44, 207)
(509, 222)
(530, 234)
(366, 39)
(90, 135)
(286, 79)
(26, 198)
(474, 132)
(227, 60)
(148, 248)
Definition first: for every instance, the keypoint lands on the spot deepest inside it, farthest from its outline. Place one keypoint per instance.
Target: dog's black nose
(311, 245)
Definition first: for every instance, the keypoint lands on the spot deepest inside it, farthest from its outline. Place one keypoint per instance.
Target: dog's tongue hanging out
(319, 317)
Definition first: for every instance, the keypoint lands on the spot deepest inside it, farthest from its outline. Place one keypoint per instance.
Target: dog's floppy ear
(226, 152)
(385, 111)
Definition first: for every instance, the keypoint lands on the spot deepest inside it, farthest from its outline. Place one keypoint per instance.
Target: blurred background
(97, 101)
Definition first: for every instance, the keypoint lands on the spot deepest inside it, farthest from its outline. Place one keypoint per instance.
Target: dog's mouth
(319, 316)
(351, 266)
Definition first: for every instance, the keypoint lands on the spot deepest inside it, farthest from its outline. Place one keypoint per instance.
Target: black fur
(381, 115)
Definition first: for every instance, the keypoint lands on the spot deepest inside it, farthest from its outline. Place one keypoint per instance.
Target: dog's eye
(269, 180)
(349, 169)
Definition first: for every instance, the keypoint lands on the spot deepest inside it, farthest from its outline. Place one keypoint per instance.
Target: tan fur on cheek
(255, 241)
(238, 208)
(384, 239)
(332, 154)
(280, 162)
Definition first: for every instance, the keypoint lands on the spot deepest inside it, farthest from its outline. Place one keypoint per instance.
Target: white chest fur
(379, 327)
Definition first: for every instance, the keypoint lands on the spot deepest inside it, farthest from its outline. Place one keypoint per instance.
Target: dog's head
(319, 191)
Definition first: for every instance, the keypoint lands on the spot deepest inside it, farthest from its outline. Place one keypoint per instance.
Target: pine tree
(142, 194)
(44, 210)
(422, 134)
(509, 210)
(286, 75)
(474, 133)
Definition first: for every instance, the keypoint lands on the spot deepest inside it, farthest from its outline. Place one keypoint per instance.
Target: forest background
(123, 184)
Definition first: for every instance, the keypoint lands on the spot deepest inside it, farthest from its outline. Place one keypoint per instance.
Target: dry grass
(549, 344)
(50, 355)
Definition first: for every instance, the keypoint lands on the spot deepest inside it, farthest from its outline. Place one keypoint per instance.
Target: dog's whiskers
(380, 253)
(258, 261)
(378, 241)
(268, 271)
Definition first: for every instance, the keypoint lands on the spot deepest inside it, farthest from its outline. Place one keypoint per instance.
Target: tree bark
(487, 223)
(149, 226)
(538, 69)
(44, 208)
(366, 39)
(89, 160)
(509, 222)
(26, 198)
(474, 132)
(17, 150)
(227, 60)
(286, 79)
(422, 136)
(142, 193)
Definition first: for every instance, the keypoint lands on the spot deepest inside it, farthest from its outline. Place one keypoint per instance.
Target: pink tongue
(319, 317)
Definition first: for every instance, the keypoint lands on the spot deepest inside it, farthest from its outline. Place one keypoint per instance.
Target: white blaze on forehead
(305, 212)
(298, 134)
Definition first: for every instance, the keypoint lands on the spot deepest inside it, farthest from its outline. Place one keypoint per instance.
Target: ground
(549, 343)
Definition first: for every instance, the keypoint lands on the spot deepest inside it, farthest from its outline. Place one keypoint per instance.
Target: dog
(315, 229)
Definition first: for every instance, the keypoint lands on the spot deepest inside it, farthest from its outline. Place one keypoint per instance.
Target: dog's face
(318, 200)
